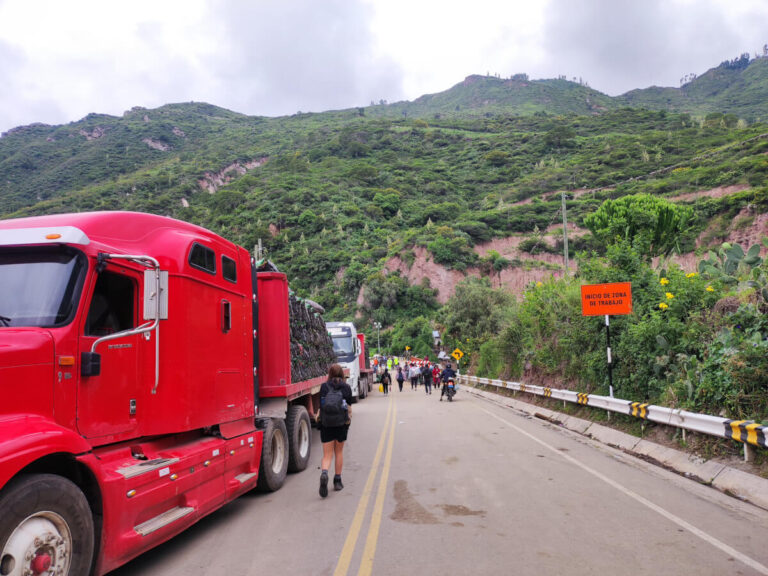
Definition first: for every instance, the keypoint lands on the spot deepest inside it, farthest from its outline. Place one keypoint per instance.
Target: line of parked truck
(150, 372)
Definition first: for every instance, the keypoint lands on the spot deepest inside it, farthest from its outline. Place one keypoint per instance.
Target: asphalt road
(469, 487)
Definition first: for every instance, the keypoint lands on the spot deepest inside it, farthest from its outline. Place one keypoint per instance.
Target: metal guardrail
(744, 431)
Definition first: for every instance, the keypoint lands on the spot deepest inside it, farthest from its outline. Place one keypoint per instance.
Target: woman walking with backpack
(386, 380)
(400, 378)
(335, 414)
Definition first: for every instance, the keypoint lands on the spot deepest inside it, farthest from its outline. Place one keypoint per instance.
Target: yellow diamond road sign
(457, 354)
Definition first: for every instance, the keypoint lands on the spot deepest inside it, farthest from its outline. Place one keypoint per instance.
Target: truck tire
(274, 456)
(362, 389)
(45, 518)
(299, 438)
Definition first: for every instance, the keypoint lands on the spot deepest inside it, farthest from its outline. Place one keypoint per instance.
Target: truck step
(162, 520)
(145, 466)
(243, 478)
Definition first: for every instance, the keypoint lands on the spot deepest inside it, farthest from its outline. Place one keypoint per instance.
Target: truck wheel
(46, 527)
(274, 456)
(299, 438)
(362, 388)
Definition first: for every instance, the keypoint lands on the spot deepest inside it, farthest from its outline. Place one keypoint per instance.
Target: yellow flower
(663, 281)
(691, 275)
(670, 295)
(663, 306)
(710, 289)
(539, 284)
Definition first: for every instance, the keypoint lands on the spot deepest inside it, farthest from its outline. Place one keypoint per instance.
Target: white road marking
(754, 564)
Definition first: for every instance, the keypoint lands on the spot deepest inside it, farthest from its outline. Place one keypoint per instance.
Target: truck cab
(347, 347)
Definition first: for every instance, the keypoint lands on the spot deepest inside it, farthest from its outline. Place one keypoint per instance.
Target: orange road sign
(606, 299)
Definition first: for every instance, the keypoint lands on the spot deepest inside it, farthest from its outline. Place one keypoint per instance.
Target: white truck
(350, 354)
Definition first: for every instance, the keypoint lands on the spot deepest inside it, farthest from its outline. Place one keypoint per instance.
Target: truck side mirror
(90, 364)
(155, 295)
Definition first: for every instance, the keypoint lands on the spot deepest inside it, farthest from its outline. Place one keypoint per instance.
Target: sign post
(606, 300)
(610, 360)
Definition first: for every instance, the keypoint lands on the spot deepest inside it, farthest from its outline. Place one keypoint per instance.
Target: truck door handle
(226, 316)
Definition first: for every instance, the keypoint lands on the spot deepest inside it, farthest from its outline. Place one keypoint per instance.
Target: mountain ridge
(724, 86)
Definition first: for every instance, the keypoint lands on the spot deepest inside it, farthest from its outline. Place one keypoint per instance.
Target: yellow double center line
(366, 564)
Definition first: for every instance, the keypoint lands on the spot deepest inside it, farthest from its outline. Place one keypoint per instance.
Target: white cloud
(618, 45)
(61, 60)
(440, 43)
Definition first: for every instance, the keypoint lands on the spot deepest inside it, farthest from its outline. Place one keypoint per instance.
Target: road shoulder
(737, 483)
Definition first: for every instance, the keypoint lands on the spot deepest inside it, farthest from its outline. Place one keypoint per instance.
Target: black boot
(324, 484)
(337, 485)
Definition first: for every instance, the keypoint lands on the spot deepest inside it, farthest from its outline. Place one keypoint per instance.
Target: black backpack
(334, 410)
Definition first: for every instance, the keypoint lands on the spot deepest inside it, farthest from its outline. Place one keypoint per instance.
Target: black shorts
(338, 433)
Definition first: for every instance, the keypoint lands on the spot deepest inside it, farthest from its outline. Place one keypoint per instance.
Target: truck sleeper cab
(347, 349)
(128, 371)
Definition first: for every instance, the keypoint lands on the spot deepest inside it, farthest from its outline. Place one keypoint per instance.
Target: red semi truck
(366, 372)
(145, 370)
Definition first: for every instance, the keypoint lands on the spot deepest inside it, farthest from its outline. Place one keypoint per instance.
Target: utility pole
(377, 325)
(565, 233)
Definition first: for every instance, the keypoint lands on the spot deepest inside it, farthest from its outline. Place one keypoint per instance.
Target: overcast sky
(62, 59)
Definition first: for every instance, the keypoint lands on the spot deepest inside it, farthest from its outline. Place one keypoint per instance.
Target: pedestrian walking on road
(413, 374)
(386, 380)
(400, 378)
(426, 373)
(335, 418)
(436, 375)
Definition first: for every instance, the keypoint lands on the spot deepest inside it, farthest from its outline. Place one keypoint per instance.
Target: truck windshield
(40, 286)
(344, 347)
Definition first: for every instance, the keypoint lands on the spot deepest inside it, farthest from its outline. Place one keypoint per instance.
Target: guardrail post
(749, 453)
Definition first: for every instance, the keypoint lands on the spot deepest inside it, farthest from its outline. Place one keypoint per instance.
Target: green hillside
(489, 95)
(738, 88)
(340, 191)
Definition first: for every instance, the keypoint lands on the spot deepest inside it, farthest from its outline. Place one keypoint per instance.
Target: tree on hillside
(387, 297)
(415, 333)
(493, 263)
(560, 137)
(652, 225)
(475, 310)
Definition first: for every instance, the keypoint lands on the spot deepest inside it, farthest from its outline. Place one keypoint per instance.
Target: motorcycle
(450, 389)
